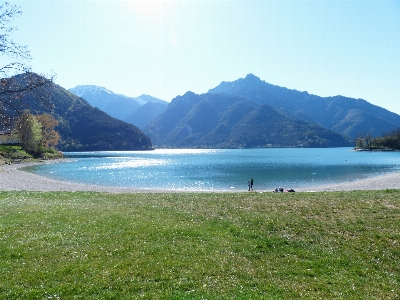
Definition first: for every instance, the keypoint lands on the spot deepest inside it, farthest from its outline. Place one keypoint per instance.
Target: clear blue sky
(166, 48)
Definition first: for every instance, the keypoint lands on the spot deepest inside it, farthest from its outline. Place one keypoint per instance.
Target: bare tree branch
(17, 79)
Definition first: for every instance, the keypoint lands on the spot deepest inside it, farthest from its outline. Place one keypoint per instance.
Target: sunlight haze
(166, 48)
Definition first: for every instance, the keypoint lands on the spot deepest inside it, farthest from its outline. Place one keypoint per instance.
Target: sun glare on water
(132, 163)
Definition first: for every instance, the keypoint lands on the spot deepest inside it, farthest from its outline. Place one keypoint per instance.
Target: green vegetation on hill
(338, 245)
(224, 121)
(344, 115)
(85, 128)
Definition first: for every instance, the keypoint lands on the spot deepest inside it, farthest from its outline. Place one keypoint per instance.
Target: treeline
(390, 140)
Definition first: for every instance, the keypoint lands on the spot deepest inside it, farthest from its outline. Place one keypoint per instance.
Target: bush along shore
(15, 154)
(87, 245)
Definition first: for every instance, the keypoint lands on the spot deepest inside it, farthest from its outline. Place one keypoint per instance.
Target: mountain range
(347, 116)
(138, 111)
(223, 121)
(245, 113)
(249, 113)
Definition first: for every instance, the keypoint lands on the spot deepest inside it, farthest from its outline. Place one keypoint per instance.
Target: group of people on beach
(250, 183)
(280, 190)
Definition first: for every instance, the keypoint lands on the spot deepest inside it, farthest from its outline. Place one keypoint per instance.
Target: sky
(166, 48)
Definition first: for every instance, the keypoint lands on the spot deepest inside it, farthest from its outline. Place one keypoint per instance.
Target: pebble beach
(13, 179)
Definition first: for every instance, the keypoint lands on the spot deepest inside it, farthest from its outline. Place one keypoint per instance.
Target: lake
(210, 169)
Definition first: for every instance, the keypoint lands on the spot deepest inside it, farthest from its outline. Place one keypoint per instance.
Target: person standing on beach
(251, 183)
(248, 184)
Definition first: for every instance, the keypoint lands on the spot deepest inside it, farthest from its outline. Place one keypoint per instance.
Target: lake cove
(200, 245)
(221, 170)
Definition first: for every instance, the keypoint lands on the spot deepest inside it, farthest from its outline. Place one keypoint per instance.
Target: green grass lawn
(79, 245)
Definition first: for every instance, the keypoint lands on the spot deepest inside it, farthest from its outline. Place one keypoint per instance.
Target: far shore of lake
(14, 179)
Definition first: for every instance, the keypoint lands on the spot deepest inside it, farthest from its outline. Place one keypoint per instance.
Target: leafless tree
(16, 78)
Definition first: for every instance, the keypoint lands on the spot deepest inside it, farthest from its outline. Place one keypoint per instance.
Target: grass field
(79, 245)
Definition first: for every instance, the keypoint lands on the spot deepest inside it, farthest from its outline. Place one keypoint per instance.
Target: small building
(8, 138)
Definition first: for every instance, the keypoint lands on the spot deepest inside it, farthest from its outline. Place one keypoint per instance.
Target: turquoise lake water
(200, 169)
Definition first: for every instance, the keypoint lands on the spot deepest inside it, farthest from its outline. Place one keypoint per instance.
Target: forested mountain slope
(83, 127)
(348, 116)
(223, 121)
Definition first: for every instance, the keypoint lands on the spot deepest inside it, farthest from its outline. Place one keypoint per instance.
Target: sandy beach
(13, 179)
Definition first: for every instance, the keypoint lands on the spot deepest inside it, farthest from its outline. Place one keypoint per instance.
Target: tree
(16, 77)
(50, 137)
(359, 143)
(368, 140)
(29, 130)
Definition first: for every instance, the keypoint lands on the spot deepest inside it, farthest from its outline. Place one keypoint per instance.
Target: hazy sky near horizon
(166, 48)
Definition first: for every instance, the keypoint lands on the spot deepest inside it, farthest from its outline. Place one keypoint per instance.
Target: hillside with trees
(344, 115)
(223, 121)
(83, 127)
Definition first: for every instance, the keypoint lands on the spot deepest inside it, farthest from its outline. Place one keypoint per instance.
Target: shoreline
(13, 179)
